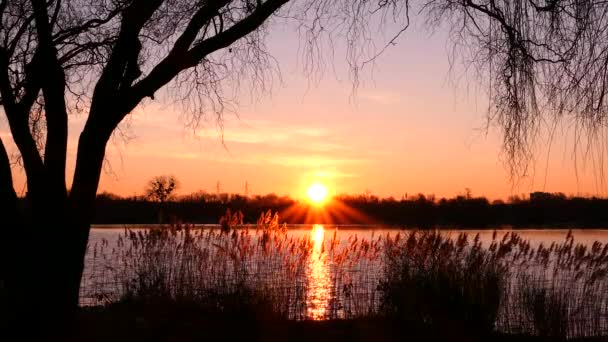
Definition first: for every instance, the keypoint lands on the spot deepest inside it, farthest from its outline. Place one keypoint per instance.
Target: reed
(560, 291)
(435, 281)
(262, 262)
(423, 278)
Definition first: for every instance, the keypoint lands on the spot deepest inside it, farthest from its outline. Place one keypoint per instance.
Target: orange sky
(408, 129)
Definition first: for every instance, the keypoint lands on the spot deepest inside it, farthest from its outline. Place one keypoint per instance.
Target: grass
(412, 281)
(182, 263)
(437, 282)
(558, 291)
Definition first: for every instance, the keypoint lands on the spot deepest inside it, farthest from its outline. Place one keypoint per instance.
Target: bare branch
(540, 63)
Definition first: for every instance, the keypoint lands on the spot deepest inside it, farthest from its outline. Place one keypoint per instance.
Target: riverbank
(126, 322)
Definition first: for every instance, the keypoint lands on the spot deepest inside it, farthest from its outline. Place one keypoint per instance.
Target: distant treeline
(537, 210)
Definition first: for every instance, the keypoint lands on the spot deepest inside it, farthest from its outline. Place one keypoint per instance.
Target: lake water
(535, 236)
(320, 297)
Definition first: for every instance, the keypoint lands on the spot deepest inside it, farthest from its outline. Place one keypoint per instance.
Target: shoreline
(547, 228)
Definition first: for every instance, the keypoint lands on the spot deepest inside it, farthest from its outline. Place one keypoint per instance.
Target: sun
(317, 193)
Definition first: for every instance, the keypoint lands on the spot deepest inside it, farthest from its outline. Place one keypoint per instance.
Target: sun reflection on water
(319, 283)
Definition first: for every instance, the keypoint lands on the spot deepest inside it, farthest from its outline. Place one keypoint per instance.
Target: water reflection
(319, 283)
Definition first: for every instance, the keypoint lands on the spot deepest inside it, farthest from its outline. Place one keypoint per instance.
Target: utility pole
(217, 187)
(246, 189)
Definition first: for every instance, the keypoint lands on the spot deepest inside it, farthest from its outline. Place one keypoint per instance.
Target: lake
(324, 289)
(535, 236)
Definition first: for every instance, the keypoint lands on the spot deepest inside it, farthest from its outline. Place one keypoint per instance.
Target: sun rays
(332, 211)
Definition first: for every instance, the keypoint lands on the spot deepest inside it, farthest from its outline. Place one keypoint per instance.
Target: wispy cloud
(383, 98)
(262, 131)
(332, 174)
(311, 161)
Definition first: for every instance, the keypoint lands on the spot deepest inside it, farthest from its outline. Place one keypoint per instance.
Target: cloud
(332, 174)
(310, 161)
(383, 98)
(311, 131)
(257, 131)
(250, 137)
(274, 134)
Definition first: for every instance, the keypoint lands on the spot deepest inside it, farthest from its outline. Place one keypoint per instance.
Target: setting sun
(317, 193)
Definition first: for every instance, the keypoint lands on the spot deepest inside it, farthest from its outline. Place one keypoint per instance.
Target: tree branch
(125, 53)
(200, 18)
(8, 195)
(63, 35)
(17, 116)
(55, 110)
(235, 32)
(178, 61)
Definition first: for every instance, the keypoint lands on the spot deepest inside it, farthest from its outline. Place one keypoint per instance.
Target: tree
(104, 58)
(162, 188)
(542, 62)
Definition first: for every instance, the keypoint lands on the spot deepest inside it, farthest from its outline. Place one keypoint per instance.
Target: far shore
(379, 226)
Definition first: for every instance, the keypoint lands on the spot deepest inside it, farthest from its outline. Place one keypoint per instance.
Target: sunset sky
(408, 129)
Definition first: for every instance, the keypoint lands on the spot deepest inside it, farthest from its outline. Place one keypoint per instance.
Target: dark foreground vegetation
(178, 322)
(537, 210)
(179, 283)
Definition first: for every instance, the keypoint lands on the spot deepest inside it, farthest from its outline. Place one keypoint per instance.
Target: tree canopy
(542, 62)
(162, 188)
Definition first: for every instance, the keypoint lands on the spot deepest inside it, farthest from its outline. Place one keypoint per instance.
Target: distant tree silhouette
(549, 210)
(162, 188)
(103, 58)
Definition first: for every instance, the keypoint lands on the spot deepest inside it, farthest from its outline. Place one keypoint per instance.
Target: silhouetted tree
(162, 188)
(541, 61)
(104, 58)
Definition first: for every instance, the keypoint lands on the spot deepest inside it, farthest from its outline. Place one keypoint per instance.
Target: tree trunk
(45, 250)
(43, 272)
